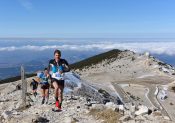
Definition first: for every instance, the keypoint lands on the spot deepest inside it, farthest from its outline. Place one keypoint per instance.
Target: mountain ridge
(81, 64)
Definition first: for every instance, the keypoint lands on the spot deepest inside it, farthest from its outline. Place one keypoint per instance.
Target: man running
(58, 66)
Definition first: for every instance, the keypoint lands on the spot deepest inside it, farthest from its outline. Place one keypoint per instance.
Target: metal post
(24, 86)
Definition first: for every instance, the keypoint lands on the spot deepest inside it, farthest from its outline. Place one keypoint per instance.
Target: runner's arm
(49, 65)
(67, 66)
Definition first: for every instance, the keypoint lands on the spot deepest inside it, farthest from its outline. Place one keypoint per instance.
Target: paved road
(124, 97)
(151, 96)
(154, 100)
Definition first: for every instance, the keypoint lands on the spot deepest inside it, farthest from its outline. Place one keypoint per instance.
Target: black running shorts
(59, 82)
(45, 86)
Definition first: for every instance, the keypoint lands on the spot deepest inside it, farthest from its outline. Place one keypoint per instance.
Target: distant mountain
(13, 71)
(36, 61)
(36, 65)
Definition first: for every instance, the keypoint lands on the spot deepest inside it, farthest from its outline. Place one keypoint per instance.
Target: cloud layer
(153, 47)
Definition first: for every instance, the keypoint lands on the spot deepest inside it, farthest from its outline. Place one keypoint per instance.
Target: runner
(34, 85)
(58, 66)
(43, 80)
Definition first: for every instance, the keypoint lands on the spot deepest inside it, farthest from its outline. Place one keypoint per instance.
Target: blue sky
(87, 18)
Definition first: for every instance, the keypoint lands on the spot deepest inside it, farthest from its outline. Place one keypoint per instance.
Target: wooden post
(24, 86)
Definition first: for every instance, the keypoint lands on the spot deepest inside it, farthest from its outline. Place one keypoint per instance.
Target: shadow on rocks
(41, 120)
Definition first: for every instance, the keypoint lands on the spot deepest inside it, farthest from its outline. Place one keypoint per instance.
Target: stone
(18, 87)
(15, 113)
(140, 117)
(74, 98)
(19, 104)
(166, 118)
(37, 119)
(88, 100)
(67, 120)
(128, 105)
(121, 107)
(88, 104)
(142, 110)
(111, 105)
(125, 118)
(98, 106)
(6, 115)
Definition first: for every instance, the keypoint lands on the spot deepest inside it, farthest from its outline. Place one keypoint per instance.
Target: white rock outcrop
(142, 110)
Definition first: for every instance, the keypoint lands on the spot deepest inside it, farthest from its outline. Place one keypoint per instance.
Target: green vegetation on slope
(96, 59)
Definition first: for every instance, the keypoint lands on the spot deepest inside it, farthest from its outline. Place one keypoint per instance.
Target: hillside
(137, 78)
(78, 65)
(96, 59)
(115, 86)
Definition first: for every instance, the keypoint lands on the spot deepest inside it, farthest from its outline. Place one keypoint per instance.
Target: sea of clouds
(167, 48)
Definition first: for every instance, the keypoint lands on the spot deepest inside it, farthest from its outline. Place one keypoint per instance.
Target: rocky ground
(74, 108)
(143, 74)
(122, 89)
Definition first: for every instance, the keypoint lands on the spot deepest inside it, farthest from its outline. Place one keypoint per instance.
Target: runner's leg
(43, 95)
(60, 94)
(47, 95)
(55, 85)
